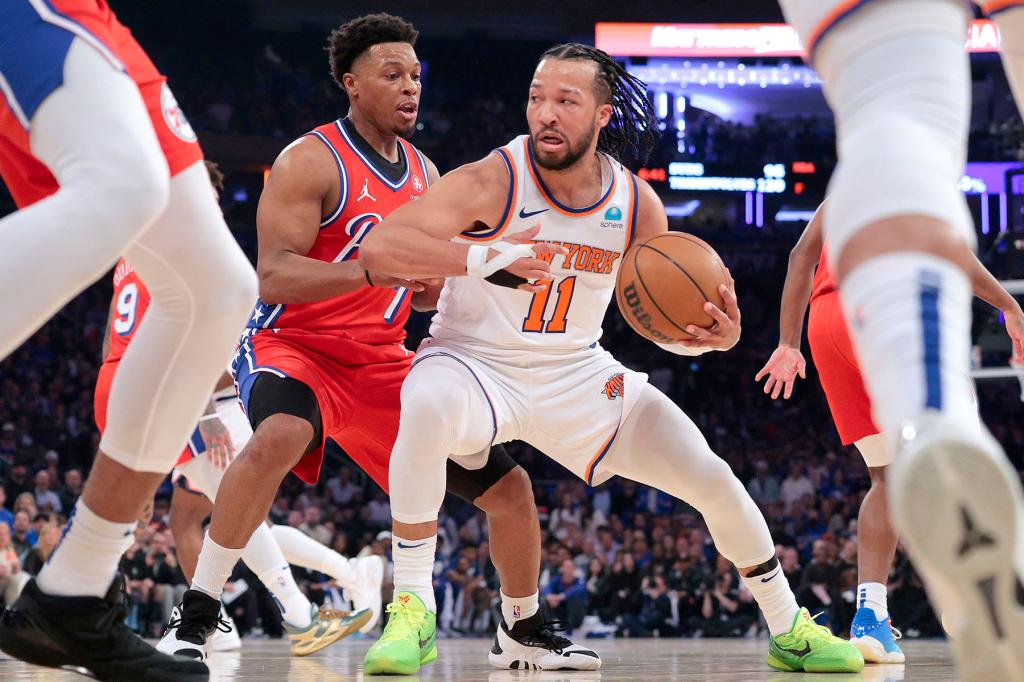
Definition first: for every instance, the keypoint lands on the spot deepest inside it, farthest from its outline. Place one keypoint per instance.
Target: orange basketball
(664, 282)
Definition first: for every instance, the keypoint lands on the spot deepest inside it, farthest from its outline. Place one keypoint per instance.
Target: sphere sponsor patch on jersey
(174, 117)
(613, 219)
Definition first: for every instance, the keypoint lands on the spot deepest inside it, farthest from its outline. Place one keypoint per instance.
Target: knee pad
(898, 81)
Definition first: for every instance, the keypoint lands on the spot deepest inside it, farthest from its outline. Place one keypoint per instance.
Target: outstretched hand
(782, 369)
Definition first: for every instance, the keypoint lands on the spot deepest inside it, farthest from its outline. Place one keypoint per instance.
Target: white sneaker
(532, 644)
(366, 594)
(193, 624)
(225, 637)
(958, 503)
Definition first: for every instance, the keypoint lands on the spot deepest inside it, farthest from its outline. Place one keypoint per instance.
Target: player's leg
(458, 419)
(876, 548)
(659, 446)
(901, 237)
(113, 184)
(362, 578)
(1009, 17)
(188, 511)
(287, 422)
(525, 639)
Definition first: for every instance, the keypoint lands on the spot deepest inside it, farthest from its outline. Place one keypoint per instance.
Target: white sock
(414, 567)
(301, 550)
(87, 556)
(518, 608)
(911, 324)
(214, 567)
(775, 599)
(263, 556)
(872, 596)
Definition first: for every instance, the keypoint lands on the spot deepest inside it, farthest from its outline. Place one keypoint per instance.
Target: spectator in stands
(72, 488)
(341, 487)
(796, 485)
(26, 502)
(763, 487)
(46, 499)
(169, 584)
(566, 595)
(6, 515)
(378, 511)
(312, 526)
(818, 585)
(655, 613)
(8, 444)
(23, 537)
(17, 481)
(12, 579)
(49, 536)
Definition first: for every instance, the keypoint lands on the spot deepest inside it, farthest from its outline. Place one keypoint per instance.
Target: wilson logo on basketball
(641, 316)
(614, 387)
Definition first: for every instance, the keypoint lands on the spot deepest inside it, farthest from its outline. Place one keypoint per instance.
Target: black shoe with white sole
(88, 635)
(190, 635)
(534, 644)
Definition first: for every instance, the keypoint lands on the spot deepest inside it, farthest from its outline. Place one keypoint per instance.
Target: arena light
(733, 40)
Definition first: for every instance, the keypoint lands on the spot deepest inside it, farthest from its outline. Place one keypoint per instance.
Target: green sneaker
(813, 648)
(409, 639)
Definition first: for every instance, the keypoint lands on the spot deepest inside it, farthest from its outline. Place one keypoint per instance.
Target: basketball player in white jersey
(504, 364)
(900, 237)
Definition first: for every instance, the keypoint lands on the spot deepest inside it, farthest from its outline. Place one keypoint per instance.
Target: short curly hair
(352, 39)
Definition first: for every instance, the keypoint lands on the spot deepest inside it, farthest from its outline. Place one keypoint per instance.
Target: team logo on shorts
(614, 387)
(417, 184)
(174, 117)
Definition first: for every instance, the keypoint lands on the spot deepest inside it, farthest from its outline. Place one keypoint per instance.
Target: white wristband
(478, 265)
(676, 349)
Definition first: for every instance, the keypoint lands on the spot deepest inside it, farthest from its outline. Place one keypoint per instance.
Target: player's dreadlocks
(632, 132)
(350, 40)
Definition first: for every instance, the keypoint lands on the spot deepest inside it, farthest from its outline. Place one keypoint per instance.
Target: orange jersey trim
(838, 13)
(554, 203)
(601, 452)
(510, 204)
(997, 6)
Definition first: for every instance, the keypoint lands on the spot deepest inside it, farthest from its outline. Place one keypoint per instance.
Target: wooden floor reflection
(464, 660)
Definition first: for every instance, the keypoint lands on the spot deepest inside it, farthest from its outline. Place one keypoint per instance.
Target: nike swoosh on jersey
(524, 214)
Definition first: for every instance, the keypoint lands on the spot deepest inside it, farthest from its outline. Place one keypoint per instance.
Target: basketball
(664, 282)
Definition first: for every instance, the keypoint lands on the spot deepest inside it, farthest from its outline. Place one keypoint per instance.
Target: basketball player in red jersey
(840, 375)
(101, 162)
(323, 354)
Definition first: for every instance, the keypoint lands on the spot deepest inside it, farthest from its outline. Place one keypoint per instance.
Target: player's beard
(573, 153)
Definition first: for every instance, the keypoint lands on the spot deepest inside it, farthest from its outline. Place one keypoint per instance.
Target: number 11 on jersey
(534, 321)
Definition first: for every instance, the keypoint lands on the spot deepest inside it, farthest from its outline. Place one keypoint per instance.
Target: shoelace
(896, 634)
(194, 628)
(400, 620)
(814, 626)
(544, 636)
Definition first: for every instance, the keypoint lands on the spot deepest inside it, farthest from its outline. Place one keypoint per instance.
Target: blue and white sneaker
(875, 639)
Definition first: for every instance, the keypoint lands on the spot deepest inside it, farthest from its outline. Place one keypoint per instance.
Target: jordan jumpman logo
(365, 194)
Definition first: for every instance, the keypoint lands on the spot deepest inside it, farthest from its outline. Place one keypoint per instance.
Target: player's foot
(365, 594)
(326, 627)
(534, 644)
(408, 641)
(812, 648)
(958, 503)
(225, 637)
(87, 635)
(875, 639)
(190, 634)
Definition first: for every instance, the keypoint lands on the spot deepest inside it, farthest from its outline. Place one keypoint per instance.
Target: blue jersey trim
(342, 179)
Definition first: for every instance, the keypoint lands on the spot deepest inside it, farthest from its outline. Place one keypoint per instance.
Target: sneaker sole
(874, 651)
(974, 583)
(351, 627)
(391, 667)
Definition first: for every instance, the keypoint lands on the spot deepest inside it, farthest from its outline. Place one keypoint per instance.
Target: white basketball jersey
(567, 315)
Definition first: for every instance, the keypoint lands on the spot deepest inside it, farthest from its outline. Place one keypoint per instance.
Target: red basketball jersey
(131, 299)
(369, 315)
(824, 280)
(26, 177)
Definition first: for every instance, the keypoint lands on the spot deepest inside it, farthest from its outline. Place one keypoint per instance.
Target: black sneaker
(190, 635)
(534, 644)
(87, 635)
